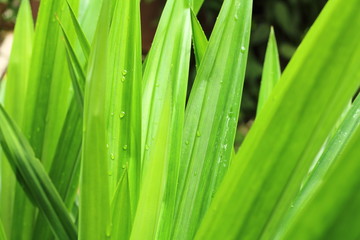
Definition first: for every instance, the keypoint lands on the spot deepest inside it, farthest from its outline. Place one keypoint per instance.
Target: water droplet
(187, 142)
(157, 85)
(122, 115)
(198, 134)
(236, 17)
(147, 147)
(123, 166)
(125, 147)
(107, 145)
(243, 49)
(108, 231)
(124, 72)
(123, 79)
(112, 156)
(112, 114)
(38, 129)
(221, 82)
(195, 173)
(110, 173)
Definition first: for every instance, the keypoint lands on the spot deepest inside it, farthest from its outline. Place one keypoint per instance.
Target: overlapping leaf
(211, 116)
(94, 188)
(291, 128)
(271, 71)
(338, 213)
(32, 175)
(17, 81)
(164, 82)
(123, 103)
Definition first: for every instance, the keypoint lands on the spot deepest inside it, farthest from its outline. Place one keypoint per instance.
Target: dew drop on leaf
(125, 147)
(122, 115)
(198, 134)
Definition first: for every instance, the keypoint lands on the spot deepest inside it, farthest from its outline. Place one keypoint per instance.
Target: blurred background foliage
(291, 20)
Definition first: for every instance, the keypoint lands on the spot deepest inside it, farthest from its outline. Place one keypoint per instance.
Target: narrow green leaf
(123, 103)
(199, 39)
(75, 79)
(121, 210)
(326, 214)
(271, 71)
(303, 108)
(89, 12)
(164, 81)
(152, 196)
(17, 81)
(85, 46)
(33, 178)
(211, 115)
(196, 5)
(333, 149)
(65, 168)
(95, 208)
(77, 72)
(58, 95)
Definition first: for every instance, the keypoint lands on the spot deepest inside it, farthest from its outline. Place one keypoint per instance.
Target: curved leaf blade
(34, 178)
(304, 106)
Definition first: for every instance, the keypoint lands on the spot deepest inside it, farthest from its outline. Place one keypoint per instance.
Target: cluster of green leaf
(99, 144)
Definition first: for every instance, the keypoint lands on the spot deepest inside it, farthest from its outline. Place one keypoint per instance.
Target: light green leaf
(85, 46)
(164, 81)
(336, 212)
(95, 208)
(333, 150)
(17, 81)
(121, 210)
(211, 116)
(76, 69)
(196, 5)
(291, 128)
(89, 12)
(199, 40)
(271, 71)
(152, 196)
(123, 103)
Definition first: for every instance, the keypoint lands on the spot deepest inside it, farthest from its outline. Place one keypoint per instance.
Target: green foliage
(101, 145)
